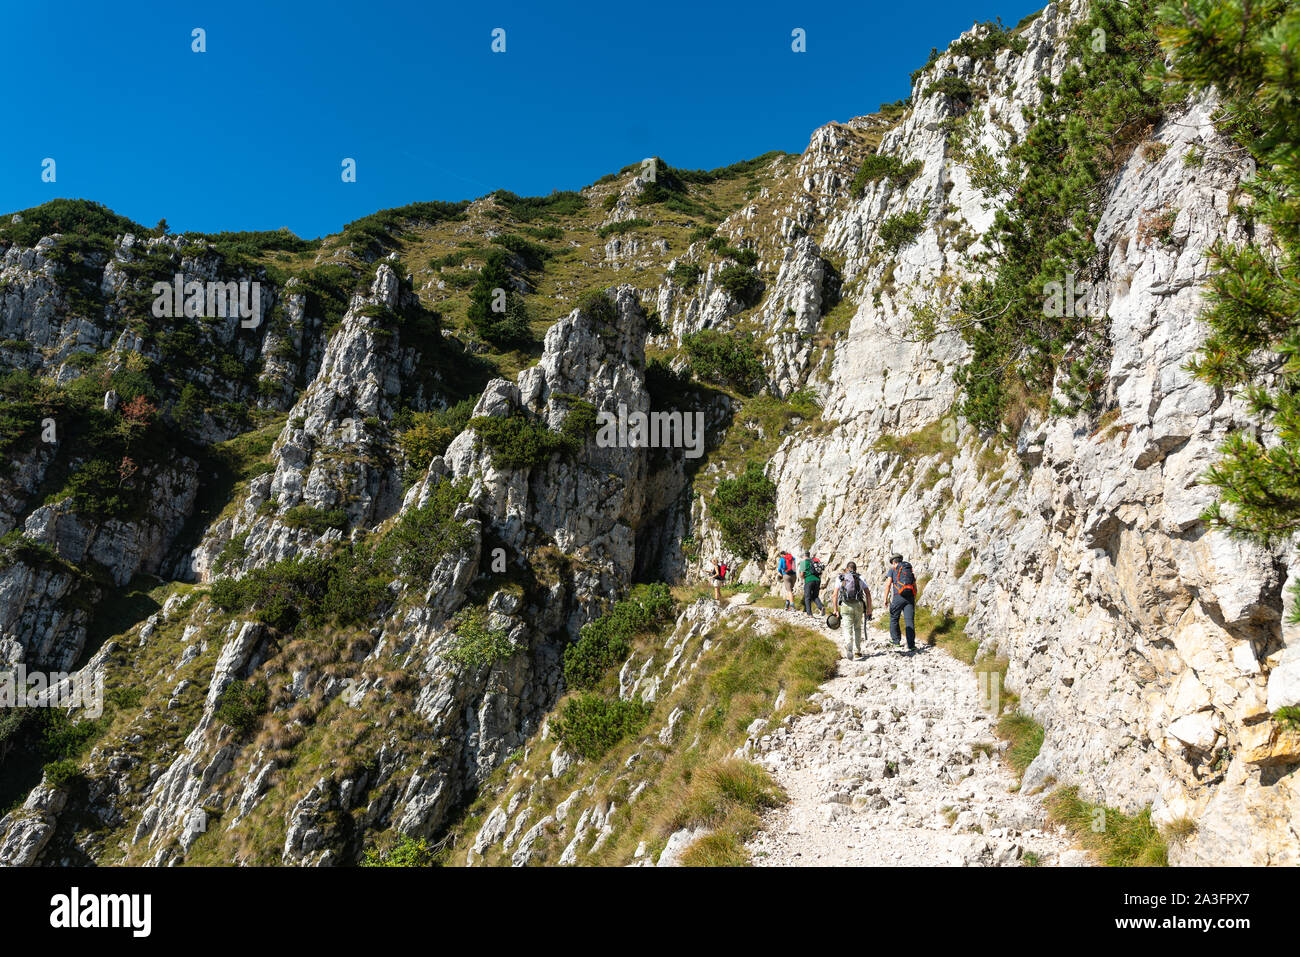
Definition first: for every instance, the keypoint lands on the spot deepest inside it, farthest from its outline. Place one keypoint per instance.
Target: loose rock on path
(901, 766)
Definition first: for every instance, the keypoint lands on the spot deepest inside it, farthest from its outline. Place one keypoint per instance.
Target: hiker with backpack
(719, 578)
(785, 576)
(812, 568)
(901, 599)
(854, 597)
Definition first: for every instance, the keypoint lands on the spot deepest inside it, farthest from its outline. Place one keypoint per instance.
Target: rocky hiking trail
(901, 766)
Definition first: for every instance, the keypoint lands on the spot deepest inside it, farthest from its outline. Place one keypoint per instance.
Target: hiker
(853, 595)
(812, 569)
(900, 596)
(719, 578)
(785, 575)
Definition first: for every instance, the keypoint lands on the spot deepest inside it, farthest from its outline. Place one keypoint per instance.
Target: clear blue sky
(251, 134)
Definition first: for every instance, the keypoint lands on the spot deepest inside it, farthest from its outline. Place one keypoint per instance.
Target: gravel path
(901, 767)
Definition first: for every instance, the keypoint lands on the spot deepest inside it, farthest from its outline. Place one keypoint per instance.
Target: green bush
(327, 289)
(406, 852)
(625, 226)
(452, 259)
(606, 641)
(422, 536)
(526, 208)
(995, 39)
(62, 737)
(520, 442)
(241, 705)
(63, 773)
(742, 507)
(77, 217)
(1079, 136)
(685, 274)
(385, 229)
(247, 245)
(427, 434)
(901, 230)
(741, 284)
(476, 644)
(598, 306)
(317, 520)
(1249, 55)
(746, 258)
(953, 87)
(894, 110)
(505, 328)
(877, 166)
(346, 586)
(533, 254)
(544, 232)
(590, 725)
(724, 358)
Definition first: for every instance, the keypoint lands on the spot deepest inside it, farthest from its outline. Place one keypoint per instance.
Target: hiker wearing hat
(811, 569)
(900, 596)
(854, 597)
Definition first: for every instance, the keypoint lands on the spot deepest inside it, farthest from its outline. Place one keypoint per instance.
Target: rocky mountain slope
(358, 572)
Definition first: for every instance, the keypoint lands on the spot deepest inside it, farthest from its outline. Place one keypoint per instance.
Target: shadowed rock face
(1151, 650)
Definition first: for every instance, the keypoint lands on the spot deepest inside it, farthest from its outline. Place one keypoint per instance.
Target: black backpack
(905, 579)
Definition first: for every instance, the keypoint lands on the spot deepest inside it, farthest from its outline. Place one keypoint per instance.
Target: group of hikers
(850, 599)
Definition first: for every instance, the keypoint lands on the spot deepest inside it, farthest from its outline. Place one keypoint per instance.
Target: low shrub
(901, 230)
(741, 285)
(589, 725)
(315, 519)
(606, 641)
(520, 442)
(241, 706)
(427, 434)
(407, 851)
(422, 536)
(63, 773)
(877, 167)
(477, 645)
(725, 359)
(685, 275)
(743, 506)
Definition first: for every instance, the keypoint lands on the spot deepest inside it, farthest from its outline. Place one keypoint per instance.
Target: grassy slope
(690, 781)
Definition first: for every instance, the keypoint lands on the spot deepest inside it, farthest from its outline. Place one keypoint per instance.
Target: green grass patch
(1116, 839)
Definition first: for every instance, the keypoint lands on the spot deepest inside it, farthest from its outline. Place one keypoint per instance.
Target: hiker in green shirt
(811, 570)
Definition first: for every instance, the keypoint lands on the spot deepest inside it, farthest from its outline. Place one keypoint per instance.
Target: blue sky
(252, 133)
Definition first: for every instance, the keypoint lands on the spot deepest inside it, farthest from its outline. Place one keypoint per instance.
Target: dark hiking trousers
(812, 596)
(905, 606)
